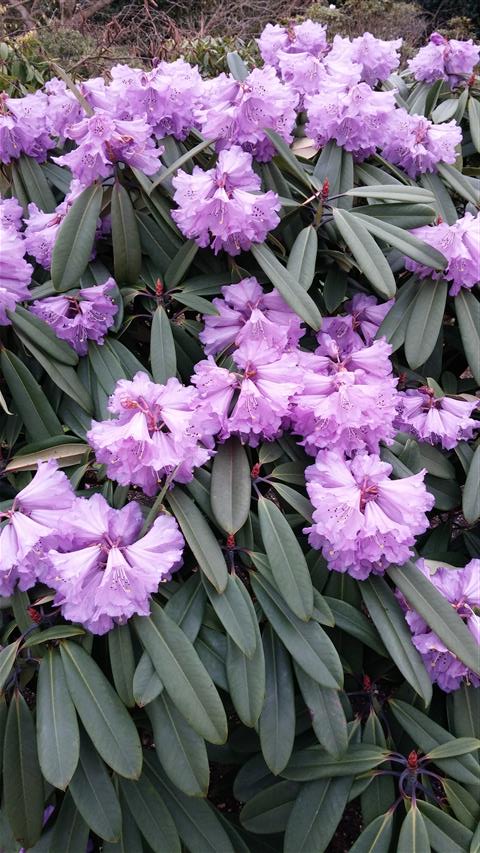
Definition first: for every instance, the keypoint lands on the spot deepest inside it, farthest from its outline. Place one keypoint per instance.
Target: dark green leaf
(394, 325)
(106, 366)
(187, 605)
(268, 811)
(425, 321)
(246, 681)
(471, 491)
(43, 336)
(122, 662)
(30, 402)
(467, 308)
(163, 357)
(459, 183)
(58, 737)
(56, 632)
(146, 683)
(351, 620)
(75, 238)
(316, 814)
(127, 254)
(303, 256)
(293, 293)
(236, 613)
(286, 154)
(474, 118)
(326, 713)
(94, 795)
(316, 763)
(70, 832)
(181, 751)
(277, 720)
(36, 184)
(406, 243)
(366, 252)
(459, 746)
(151, 815)
(189, 155)
(413, 836)
(7, 659)
(230, 486)
(444, 832)
(180, 263)
(200, 538)
(22, 779)
(376, 837)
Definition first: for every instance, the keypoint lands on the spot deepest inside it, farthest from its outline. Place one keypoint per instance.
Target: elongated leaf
(94, 795)
(36, 184)
(58, 738)
(269, 810)
(277, 720)
(183, 675)
(293, 293)
(302, 259)
(180, 263)
(376, 837)
(474, 118)
(427, 735)
(122, 662)
(246, 681)
(236, 613)
(413, 836)
(459, 183)
(351, 620)
(105, 718)
(394, 325)
(471, 492)
(288, 157)
(286, 559)
(380, 793)
(389, 620)
(465, 807)
(163, 357)
(306, 641)
(75, 238)
(441, 617)
(467, 308)
(407, 243)
(70, 832)
(30, 402)
(22, 779)
(146, 683)
(366, 252)
(316, 814)
(7, 659)
(230, 486)
(444, 832)
(460, 746)
(127, 253)
(200, 538)
(42, 335)
(186, 607)
(181, 751)
(56, 632)
(326, 713)
(299, 502)
(189, 155)
(393, 192)
(106, 366)
(151, 815)
(316, 763)
(425, 321)
(197, 824)
(130, 839)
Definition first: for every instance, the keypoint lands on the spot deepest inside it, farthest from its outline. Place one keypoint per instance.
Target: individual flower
(307, 37)
(247, 311)
(85, 316)
(349, 398)
(253, 401)
(11, 213)
(107, 573)
(436, 420)
(355, 117)
(363, 521)
(238, 112)
(223, 207)
(103, 140)
(32, 526)
(461, 587)
(460, 244)
(417, 145)
(159, 431)
(358, 327)
(15, 272)
(445, 59)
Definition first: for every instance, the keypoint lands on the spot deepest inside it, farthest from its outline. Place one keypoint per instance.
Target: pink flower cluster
(94, 557)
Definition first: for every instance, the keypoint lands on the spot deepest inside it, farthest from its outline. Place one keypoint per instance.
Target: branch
(80, 17)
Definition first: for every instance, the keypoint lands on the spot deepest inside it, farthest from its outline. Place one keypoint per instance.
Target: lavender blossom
(417, 145)
(460, 244)
(436, 420)
(15, 272)
(77, 319)
(445, 59)
(11, 214)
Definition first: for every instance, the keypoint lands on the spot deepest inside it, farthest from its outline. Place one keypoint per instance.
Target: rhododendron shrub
(240, 460)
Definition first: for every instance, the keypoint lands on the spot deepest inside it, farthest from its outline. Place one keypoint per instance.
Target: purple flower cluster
(461, 587)
(79, 317)
(417, 145)
(15, 272)
(445, 59)
(460, 243)
(223, 207)
(89, 553)
(436, 420)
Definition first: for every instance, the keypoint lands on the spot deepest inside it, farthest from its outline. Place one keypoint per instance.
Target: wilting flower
(461, 587)
(85, 316)
(222, 206)
(436, 420)
(356, 117)
(445, 59)
(239, 112)
(32, 526)
(247, 311)
(417, 145)
(348, 400)
(253, 401)
(363, 520)
(11, 213)
(15, 273)
(460, 244)
(103, 140)
(107, 574)
(161, 431)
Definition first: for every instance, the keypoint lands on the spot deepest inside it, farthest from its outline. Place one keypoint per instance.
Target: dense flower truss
(254, 400)
(445, 59)
(348, 400)
(11, 214)
(461, 587)
(15, 272)
(417, 145)
(223, 207)
(30, 526)
(106, 573)
(63, 108)
(247, 311)
(239, 112)
(160, 431)
(460, 244)
(81, 317)
(377, 58)
(103, 141)
(23, 128)
(436, 420)
(305, 38)
(363, 520)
